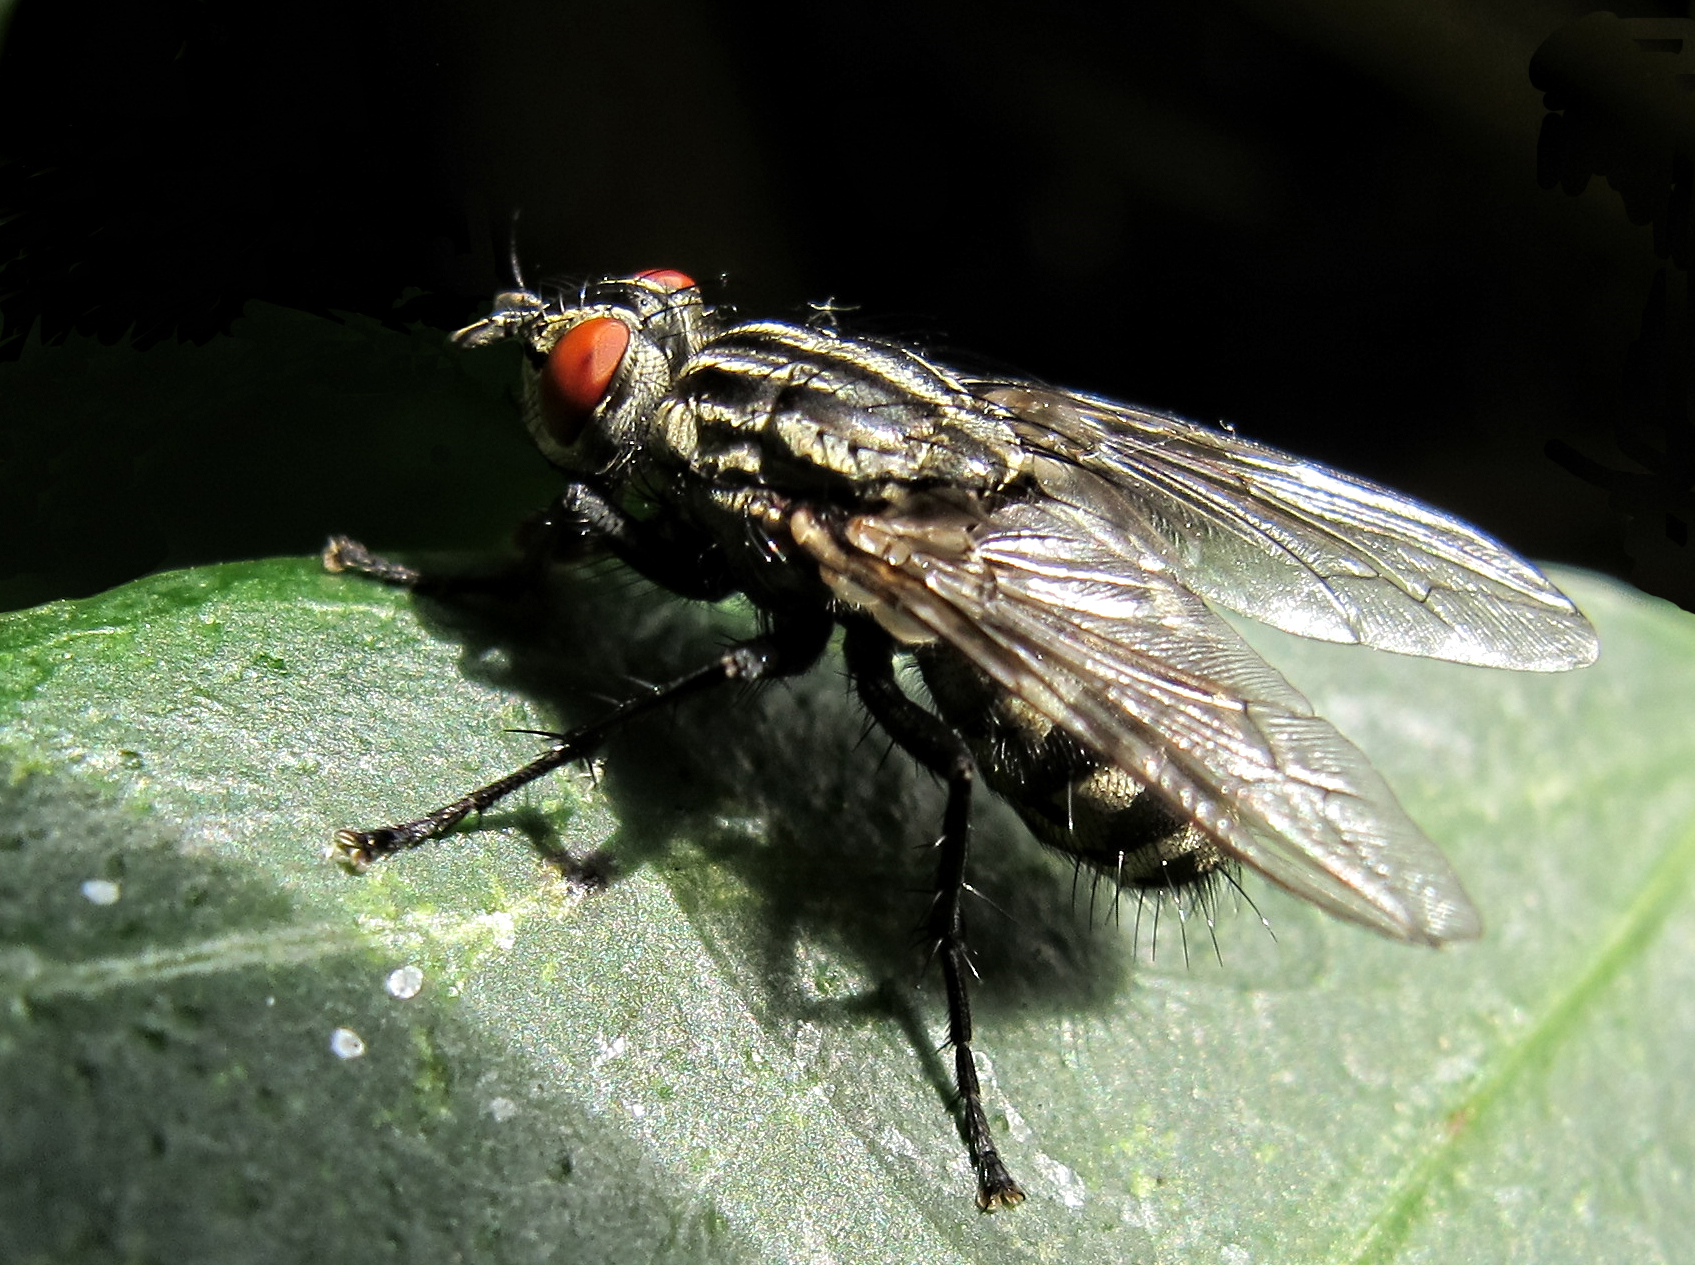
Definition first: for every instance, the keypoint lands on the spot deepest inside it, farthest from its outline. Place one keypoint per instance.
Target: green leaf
(730, 1052)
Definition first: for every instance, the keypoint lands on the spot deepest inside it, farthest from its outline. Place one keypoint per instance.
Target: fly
(1050, 559)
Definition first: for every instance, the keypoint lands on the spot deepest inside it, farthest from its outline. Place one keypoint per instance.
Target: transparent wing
(1100, 636)
(1296, 545)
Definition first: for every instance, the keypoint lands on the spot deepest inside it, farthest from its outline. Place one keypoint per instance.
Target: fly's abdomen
(1111, 823)
(1072, 800)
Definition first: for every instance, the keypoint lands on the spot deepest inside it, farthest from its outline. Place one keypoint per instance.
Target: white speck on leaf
(404, 982)
(101, 891)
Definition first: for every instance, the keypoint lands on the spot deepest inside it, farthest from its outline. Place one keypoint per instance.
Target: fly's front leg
(344, 554)
(542, 537)
(792, 646)
(936, 746)
(583, 518)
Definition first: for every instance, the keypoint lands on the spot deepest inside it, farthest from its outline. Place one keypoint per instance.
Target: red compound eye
(667, 279)
(579, 373)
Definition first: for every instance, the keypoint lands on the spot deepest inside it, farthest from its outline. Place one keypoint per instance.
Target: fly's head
(600, 361)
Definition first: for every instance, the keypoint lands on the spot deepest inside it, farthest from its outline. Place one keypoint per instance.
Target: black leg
(346, 554)
(688, 565)
(790, 647)
(343, 554)
(937, 747)
(581, 520)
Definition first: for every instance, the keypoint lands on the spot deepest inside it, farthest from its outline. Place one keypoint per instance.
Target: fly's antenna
(512, 253)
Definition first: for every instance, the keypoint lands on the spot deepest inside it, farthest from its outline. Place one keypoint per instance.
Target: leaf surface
(729, 1053)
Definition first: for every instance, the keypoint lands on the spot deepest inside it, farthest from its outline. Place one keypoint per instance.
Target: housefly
(1050, 559)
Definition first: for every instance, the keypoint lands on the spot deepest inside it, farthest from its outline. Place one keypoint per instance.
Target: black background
(1321, 223)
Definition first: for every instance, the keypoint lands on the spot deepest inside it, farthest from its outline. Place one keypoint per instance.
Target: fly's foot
(355, 850)
(995, 1187)
(344, 554)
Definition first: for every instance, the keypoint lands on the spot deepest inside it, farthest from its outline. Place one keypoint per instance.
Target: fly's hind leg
(936, 746)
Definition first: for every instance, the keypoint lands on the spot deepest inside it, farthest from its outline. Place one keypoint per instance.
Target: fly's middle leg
(934, 744)
(789, 648)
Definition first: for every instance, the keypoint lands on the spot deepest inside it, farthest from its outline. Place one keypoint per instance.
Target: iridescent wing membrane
(1305, 548)
(1086, 602)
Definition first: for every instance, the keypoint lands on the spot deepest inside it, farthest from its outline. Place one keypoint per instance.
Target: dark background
(1321, 222)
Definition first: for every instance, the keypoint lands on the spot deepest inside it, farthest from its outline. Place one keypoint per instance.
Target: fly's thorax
(813, 413)
(1072, 800)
